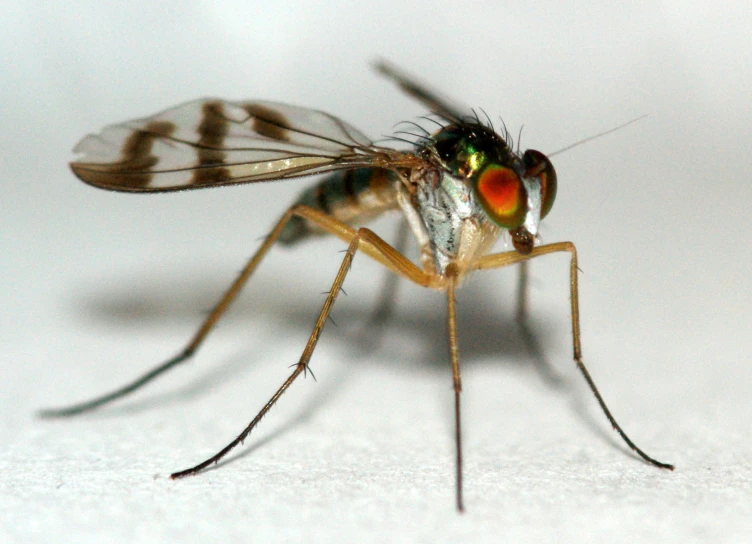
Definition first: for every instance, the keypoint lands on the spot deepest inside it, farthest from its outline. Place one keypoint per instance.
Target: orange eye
(538, 166)
(502, 195)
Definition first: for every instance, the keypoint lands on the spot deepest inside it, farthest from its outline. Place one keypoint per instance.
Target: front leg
(499, 260)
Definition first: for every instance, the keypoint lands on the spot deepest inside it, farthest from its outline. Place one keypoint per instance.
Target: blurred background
(98, 286)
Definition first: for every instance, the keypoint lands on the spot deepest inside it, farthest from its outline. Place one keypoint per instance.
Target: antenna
(563, 149)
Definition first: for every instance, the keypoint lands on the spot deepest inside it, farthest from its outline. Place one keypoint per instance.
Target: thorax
(446, 219)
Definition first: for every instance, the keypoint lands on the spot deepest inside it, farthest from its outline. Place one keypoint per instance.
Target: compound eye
(502, 195)
(538, 166)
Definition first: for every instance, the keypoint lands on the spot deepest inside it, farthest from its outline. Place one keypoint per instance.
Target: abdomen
(351, 196)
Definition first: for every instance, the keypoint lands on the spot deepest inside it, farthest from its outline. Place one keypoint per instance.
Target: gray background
(99, 286)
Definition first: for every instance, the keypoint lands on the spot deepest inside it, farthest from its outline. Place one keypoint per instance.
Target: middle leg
(375, 247)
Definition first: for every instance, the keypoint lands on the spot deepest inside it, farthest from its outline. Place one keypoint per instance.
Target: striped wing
(212, 142)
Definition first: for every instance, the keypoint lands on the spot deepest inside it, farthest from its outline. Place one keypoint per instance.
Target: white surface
(97, 287)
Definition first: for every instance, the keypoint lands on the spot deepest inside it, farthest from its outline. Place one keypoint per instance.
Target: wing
(433, 101)
(212, 142)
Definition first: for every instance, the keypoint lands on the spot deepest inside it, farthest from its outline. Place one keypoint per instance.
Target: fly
(459, 188)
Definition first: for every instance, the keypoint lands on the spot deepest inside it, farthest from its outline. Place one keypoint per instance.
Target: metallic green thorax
(466, 149)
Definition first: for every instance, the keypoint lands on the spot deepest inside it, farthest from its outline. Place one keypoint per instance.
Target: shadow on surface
(365, 327)
(370, 323)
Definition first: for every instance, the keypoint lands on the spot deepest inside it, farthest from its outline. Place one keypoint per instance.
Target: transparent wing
(212, 142)
(431, 99)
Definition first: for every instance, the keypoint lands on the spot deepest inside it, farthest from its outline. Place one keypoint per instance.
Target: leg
(455, 360)
(522, 290)
(370, 335)
(345, 232)
(362, 238)
(531, 343)
(499, 260)
(385, 305)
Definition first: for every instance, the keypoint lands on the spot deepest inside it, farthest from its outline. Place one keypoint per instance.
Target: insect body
(459, 189)
(352, 196)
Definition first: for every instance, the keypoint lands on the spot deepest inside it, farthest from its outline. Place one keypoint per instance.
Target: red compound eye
(502, 195)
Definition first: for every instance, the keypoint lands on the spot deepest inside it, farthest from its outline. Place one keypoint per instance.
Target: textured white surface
(97, 286)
